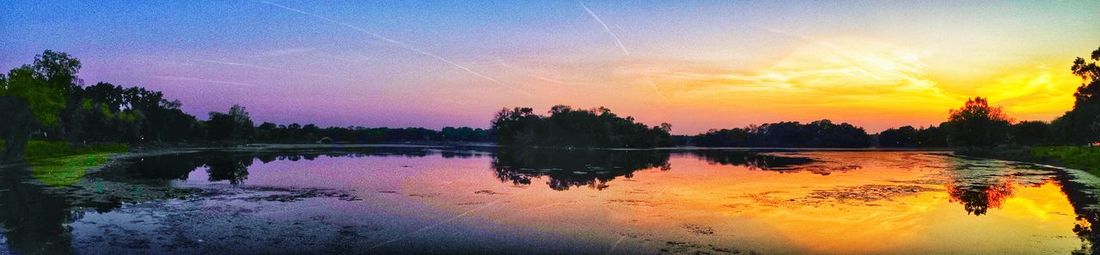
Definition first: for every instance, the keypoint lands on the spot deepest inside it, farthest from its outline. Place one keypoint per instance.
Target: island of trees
(47, 101)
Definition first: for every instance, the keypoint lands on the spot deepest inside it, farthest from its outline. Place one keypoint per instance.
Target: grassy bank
(1076, 157)
(59, 164)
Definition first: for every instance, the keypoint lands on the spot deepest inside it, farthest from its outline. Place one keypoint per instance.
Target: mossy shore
(1086, 158)
(61, 164)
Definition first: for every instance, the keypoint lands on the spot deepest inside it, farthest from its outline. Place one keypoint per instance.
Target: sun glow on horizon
(695, 65)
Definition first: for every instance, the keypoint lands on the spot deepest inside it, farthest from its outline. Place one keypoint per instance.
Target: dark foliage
(574, 168)
(1082, 124)
(977, 124)
(910, 137)
(819, 134)
(567, 127)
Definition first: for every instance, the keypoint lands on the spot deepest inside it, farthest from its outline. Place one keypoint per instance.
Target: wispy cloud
(400, 44)
(285, 52)
(246, 65)
(618, 42)
(183, 78)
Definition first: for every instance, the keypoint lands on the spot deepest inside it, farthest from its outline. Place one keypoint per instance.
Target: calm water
(421, 200)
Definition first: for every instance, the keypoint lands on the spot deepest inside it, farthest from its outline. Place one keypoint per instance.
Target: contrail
(606, 28)
(616, 245)
(181, 78)
(398, 43)
(654, 87)
(269, 69)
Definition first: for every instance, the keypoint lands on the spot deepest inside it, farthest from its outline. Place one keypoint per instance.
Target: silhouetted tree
(910, 137)
(58, 71)
(567, 127)
(1082, 124)
(1031, 133)
(819, 134)
(977, 124)
(233, 125)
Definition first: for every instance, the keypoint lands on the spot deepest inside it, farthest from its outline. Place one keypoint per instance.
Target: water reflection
(34, 219)
(781, 202)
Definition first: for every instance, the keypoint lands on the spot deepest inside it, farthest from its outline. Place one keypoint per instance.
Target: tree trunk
(16, 129)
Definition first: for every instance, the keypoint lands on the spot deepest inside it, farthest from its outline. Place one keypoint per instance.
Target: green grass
(67, 170)
(38, 150)
(1077, 157)
(59, 164)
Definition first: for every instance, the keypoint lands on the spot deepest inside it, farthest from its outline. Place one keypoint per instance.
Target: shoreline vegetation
(55, 118)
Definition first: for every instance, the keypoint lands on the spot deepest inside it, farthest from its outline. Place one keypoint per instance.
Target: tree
(235, 125)
(1031, 133)
(568, 127)
(818, 134)
(44, 100)
(1082, 124)
(898, 137)
(977, 124)
(28, 101)
(58, 70)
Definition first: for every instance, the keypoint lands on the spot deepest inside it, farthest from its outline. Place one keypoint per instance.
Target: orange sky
(697, 65)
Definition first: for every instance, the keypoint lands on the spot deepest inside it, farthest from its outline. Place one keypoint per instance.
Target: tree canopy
(821, 133)
(1081, 125)
(568, 127)
(976, 124)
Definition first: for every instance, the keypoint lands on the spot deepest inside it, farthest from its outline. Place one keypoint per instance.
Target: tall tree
(977, 124)
(1082, 124)
(59, 70)
(28, 101)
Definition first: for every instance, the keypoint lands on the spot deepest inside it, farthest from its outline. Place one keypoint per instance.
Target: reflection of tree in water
(574, 168)
(594, 168)
(229, 168)
(977, 199)
(233, 166)
(752, 159)
(33, 218)
(980, 184)
(979, 187)
(1084, 199)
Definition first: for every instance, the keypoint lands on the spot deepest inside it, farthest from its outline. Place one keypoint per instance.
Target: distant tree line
(568, 127)
(974, 125)
(821, 133)
(979, 125)
(47, 100)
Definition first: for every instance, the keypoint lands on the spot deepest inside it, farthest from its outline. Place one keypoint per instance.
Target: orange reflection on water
(848, 202)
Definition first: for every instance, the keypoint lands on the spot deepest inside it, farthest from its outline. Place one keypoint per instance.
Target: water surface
(448, 200)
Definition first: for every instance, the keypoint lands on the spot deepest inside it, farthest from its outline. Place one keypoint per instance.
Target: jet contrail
(654, 87)
(606, 28)
(181, 78)
(398, 43)
(270, 69)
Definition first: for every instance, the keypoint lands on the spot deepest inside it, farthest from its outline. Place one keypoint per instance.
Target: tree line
(978, 125)
(974, 125)
(821, 133)
(47, 100)
(575, 128)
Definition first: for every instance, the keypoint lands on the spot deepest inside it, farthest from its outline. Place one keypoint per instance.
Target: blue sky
(695, 64)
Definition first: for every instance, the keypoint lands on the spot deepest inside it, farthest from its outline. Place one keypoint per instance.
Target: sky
(698, 65)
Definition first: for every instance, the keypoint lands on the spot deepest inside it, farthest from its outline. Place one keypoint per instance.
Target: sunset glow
(697, 65)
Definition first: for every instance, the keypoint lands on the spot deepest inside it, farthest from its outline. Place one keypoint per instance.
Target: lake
(474, 200)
